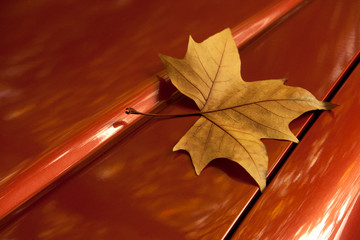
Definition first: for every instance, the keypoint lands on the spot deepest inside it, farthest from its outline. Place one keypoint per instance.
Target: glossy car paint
(18, 187)
(133, 191)
(64, 64)
(316, 195)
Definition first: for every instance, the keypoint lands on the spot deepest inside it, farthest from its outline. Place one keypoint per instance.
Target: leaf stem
(327, 106)
(134, 111)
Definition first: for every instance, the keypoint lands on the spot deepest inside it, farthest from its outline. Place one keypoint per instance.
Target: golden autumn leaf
(235, 114)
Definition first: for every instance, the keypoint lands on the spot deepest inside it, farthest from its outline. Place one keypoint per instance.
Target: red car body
(75, 166)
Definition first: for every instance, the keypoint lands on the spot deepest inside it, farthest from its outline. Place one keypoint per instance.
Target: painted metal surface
(62, 64)
(140, 189)
(134, 192)
(18, 186)
(316, 195)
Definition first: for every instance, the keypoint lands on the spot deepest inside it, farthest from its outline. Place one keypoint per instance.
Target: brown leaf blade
(236, 114)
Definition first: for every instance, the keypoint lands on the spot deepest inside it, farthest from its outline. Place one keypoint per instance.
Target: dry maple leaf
(235, 114)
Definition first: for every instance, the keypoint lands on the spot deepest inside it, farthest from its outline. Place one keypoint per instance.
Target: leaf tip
(329, 105)
(161, 56)
(226, 31)
(165, 59)
(191, 43)
(198, 168)
(261, 182)
(291, 137)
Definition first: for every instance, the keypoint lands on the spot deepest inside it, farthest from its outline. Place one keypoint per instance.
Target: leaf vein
(292, 110)
(252, 159)
(207, 138)
(271, 111)
(216, 74)
(207, 73)
(202, 94)
(266, 126)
